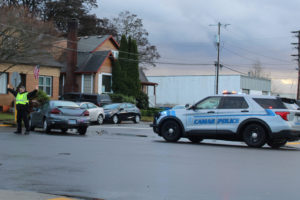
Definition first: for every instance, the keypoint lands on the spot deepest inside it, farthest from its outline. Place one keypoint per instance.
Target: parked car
(118, 112)
(290, 103)
(98, 99)
(62, 115)
(96, 113)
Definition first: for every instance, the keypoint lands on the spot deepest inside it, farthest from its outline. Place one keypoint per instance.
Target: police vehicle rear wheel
(171, 131)
(195, 139)
(254, 135)
(275, 144)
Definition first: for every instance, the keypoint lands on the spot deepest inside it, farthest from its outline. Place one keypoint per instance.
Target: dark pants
(22, 114)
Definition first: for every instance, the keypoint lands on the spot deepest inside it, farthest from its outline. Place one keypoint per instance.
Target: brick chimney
(70, 81)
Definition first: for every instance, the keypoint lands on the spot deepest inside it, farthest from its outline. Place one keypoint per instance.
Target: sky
(259, 31)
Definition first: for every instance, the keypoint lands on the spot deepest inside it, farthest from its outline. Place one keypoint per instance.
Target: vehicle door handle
(211, 112)
(245, 111)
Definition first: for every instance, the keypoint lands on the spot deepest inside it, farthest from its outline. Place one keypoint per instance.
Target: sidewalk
(22, 195)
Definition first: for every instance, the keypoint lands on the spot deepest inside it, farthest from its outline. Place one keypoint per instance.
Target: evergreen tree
(116, 77)
(133, 69)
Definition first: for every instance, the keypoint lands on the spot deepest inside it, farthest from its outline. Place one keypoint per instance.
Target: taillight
(283, 115)
(86, 113)
(55, 111)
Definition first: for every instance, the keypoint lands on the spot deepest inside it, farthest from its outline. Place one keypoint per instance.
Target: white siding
(190, 89)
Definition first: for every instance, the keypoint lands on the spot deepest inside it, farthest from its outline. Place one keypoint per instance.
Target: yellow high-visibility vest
(22, 98)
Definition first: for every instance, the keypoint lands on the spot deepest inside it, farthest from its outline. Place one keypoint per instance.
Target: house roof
(90, 43)
(143, 78)
(43, 58)
(91, 62)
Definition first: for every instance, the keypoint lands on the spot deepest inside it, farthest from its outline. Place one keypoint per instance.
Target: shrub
(41, 97)
(142, 100)
(150, 112)
(119, 98)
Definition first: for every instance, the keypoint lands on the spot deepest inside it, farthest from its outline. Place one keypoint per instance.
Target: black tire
(46, 127)
(31, 127)
(195, 139)
(100, 119)
(254, 135)
(137, 119)
(275, 144)
(115, 119)
(82, 130)
(171, 131)
(64, 130)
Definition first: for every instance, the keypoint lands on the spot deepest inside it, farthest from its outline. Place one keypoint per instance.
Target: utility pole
(218, 49)
(298, 59)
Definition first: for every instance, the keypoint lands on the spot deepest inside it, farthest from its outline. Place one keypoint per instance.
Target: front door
(201, 118)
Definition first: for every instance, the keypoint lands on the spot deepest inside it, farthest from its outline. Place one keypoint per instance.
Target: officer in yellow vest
(22, 104)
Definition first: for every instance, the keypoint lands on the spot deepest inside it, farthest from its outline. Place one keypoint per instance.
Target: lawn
(147, 119)
(6, 116)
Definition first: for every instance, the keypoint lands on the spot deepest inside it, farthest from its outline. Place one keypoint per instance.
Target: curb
(20, 195)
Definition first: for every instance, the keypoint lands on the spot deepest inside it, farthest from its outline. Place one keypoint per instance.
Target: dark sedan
(60, 115)
(118, 112)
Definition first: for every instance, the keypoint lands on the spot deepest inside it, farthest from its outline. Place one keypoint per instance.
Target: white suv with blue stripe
(256, 120)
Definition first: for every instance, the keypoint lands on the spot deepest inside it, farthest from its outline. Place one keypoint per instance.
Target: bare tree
(257, 71)
(23, 37)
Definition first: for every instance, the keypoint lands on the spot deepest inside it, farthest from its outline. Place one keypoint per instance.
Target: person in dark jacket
(22, 104)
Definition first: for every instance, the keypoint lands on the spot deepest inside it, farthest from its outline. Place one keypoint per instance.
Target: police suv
(256, 120)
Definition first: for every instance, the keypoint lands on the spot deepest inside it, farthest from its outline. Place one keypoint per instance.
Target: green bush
(41, 97)
(119, 98)
(150, 112)
(142, 100)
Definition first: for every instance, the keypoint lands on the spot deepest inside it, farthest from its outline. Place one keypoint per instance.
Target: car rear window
(64, 104)
(270, 103)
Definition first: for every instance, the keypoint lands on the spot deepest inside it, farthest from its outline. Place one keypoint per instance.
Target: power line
(270, 57)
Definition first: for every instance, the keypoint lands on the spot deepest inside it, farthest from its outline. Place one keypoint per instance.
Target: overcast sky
(259, 30)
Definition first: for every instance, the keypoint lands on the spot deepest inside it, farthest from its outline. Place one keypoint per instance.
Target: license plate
(72, 121)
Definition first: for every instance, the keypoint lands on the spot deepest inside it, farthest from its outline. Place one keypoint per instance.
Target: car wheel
(195, 139)
(100, 119)
(82, 130)
(170, 131)
(254, 135)
(31, 127)
(115, 119)
(275, 144)
(46, 127)
(64, 130)
(137, 119)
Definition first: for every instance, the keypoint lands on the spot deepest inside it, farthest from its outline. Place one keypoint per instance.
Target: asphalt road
(129, 161)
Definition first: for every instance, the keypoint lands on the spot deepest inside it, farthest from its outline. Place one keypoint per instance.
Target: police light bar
(228, 92)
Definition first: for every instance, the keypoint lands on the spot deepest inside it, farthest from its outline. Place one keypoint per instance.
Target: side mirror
(187, 105)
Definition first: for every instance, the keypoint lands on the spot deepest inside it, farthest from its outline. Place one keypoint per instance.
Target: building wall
(190, 89)
(6, 99)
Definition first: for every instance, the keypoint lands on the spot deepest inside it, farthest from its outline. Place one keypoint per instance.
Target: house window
(87, 83)
(106, 83)
(245, 91)
(45, 84)
(3, 83)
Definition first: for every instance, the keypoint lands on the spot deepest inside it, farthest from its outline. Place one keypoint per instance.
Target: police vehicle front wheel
(254, 135)
(170, 131)
(195, 139)
(275, 144)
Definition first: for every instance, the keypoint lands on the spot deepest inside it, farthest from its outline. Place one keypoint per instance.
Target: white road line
(124, 127)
